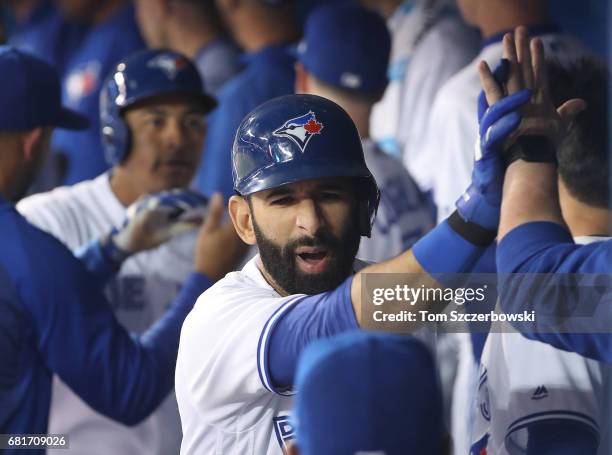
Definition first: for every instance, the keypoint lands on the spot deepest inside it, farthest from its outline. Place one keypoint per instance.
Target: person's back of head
(31, 108)
(368, 393)
(583, 155)
(344, 56)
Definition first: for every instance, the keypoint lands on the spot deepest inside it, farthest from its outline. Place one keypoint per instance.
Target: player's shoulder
(235, 289)
(382, 165)
(25, 244)
(65, 201)
(63, 196)
(451, 32)
(239, 295)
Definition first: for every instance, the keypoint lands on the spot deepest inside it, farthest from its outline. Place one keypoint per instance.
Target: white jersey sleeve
(447, 47)
(406, 26)
(60, 214)
(226, 400)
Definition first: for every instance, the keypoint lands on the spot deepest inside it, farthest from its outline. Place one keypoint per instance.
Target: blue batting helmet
(301, 137)
(141, 76)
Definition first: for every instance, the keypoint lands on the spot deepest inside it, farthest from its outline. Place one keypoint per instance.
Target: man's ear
(242, 219)
(30, 140)
(301, 79)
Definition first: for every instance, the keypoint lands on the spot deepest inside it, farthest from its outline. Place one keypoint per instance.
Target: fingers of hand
(515, 79)
(570, 109)
(492, 90)
(540, 75)
(521, 38)
(215, 213)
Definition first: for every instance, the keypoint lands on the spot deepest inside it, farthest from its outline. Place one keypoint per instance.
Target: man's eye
(330, 196)
(196, 122)
(282, 201)
(155, 121)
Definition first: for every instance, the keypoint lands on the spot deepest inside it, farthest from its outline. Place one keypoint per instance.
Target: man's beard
(280, 261)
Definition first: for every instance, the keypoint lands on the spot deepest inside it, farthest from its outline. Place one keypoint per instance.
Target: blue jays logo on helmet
(169, 64)
(300, 129)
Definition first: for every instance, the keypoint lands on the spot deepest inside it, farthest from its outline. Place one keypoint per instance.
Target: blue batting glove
(480, 203)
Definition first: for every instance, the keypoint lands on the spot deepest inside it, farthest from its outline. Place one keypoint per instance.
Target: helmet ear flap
(115, 138)
(369, 197)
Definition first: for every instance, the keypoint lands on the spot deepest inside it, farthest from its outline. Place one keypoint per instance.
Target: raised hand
(156, 218)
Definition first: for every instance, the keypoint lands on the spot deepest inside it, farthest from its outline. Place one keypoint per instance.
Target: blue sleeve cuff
(96, 262)
(526, 240)
(442, 250)
(197, 283)
(294, 325)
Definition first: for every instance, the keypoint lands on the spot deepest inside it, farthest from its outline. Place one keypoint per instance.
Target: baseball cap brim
(71, 120)
(207, 102)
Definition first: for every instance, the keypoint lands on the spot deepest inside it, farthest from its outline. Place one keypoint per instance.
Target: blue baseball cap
(347, 46)
(367, 392)
(31, 94)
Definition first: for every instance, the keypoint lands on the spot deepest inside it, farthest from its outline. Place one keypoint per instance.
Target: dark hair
(583, 156)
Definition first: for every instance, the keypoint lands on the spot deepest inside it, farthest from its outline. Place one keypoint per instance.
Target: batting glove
(153, 220)
(481, 202)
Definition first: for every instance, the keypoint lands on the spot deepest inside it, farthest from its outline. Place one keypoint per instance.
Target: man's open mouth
(312, 259)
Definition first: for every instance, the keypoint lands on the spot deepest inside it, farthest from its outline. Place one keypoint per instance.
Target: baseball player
(112, 35)
(406, 21)
(305, 197)
(41, 30)
(264, 29)
(452, 124)
(193, 28)
(446, 46)
(152, 116)
(533, 238)
(350, 68)
(534, 398)
(446, 161)
(54, 318)
(350, 384)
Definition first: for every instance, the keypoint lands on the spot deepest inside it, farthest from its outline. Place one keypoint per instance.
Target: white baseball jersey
(404, 213)
(522, 382)
(224, 393)
(406, 26)
(139, 294)
(448, 149)
(447, 47)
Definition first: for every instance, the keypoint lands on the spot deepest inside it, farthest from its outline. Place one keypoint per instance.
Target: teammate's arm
(122, 376)
(532, 236)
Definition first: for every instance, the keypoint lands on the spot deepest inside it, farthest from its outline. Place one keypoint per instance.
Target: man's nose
(308, 218)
